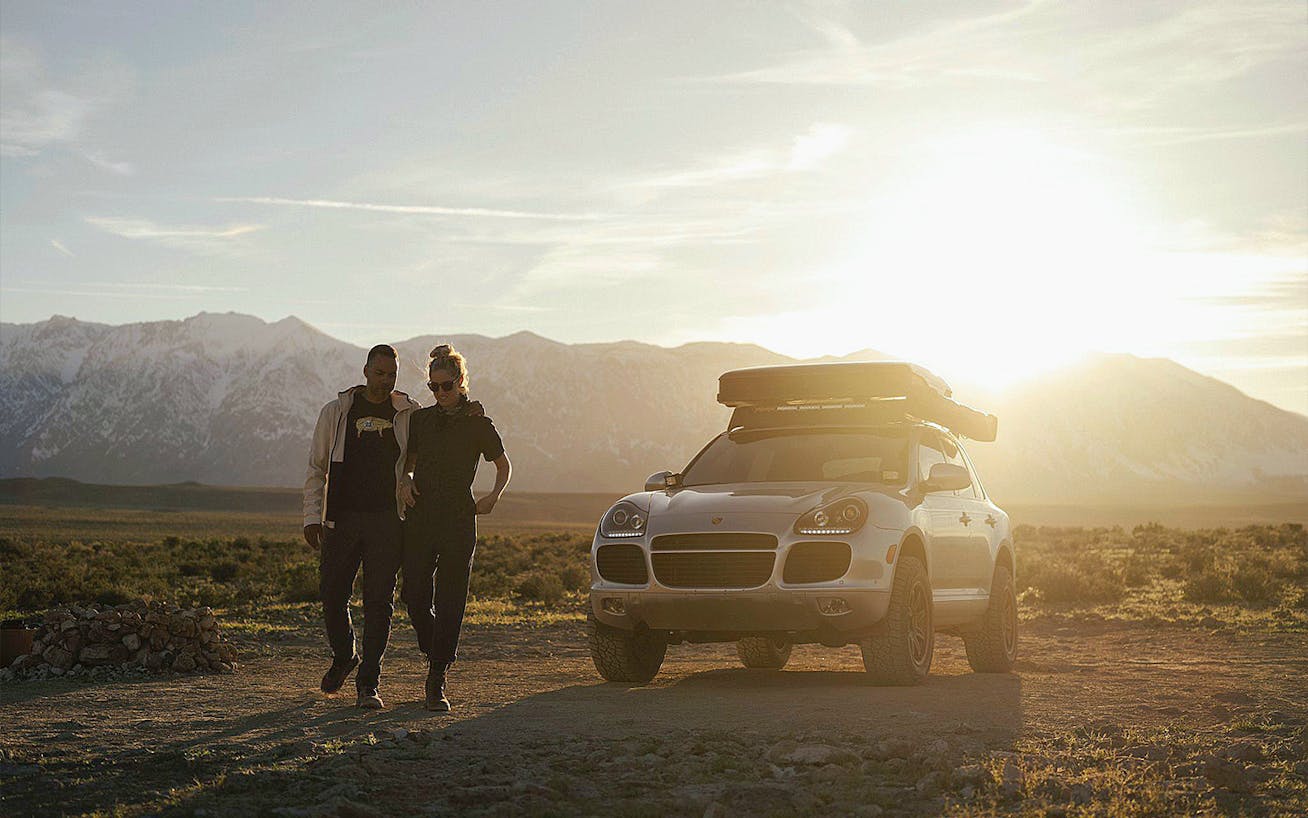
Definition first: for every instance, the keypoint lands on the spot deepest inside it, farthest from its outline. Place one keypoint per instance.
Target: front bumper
(754, 611)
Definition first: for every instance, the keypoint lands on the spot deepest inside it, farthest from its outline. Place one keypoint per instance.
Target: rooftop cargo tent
(847, 393)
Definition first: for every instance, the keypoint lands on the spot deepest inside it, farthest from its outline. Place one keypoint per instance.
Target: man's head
(379, 372)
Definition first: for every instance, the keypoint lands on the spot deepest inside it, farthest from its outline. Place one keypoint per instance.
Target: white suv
(838, 508)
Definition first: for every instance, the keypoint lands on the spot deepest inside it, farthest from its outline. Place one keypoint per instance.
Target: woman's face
(439, 380)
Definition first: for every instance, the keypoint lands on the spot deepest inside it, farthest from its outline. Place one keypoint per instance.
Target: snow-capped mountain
(231, 400)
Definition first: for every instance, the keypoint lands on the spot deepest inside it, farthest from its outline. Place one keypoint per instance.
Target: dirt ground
(1098, 719)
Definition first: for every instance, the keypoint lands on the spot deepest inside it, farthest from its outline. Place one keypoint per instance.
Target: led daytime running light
(844, 516)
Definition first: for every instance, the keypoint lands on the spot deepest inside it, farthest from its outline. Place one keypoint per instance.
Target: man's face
(379, 375)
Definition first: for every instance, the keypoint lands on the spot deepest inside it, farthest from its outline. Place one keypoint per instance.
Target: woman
(440, 530)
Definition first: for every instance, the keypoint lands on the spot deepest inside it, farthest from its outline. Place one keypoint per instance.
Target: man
(356, 455)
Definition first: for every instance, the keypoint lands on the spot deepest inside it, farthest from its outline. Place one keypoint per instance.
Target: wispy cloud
(38, 113)
(103, 163)
(58, 245)
(415, 210)
(1121, 59)
(807, 151)
(1179, 135)
(100, 292)
(200, 239)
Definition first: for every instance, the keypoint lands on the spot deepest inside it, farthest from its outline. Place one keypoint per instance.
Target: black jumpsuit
(440, 531)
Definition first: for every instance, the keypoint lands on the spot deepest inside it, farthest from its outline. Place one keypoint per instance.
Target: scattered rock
(973, 775)
(1244, 751)
(1012, 779)
(1227, 775)
(931, 784)
(895, 747)
(1149, 752)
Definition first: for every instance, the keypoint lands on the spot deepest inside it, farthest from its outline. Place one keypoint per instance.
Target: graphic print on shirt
(371, 424)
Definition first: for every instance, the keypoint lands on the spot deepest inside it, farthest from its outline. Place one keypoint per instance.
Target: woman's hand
(408, 491)
(487, 503)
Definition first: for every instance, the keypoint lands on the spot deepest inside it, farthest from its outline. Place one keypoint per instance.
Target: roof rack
(845, 393)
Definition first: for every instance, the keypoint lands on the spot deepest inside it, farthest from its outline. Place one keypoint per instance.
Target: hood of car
(757, 498)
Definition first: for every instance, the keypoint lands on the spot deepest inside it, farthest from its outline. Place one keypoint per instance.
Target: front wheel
(625, 656)
(763, 652)
(901, 653)
(992, 648)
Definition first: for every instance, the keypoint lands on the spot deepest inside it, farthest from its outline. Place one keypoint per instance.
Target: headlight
(841, 517)
(623, 520)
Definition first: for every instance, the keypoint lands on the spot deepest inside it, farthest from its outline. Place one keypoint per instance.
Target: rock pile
(90, 638)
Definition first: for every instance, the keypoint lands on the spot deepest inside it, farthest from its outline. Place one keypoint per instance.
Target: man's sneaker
(337, 674)
(369, 700)
(435, 699)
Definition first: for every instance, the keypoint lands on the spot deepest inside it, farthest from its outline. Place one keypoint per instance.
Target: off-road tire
(992, 648)
(763, 652)
(900, 654)
(625, 656)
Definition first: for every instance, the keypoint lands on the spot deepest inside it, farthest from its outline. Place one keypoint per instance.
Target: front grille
(713, 569)
(622, 563)
(816, 562)
(715, 542)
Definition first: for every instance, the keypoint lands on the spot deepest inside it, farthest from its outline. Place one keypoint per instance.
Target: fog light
(833, 606)
(610, 605)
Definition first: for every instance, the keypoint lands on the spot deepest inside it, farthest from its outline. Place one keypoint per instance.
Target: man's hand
(313, 535)
(475, 409)
(486, 504)
(408, 492)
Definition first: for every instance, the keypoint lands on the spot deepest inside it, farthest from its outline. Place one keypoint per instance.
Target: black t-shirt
(446, 448)
(365, 480)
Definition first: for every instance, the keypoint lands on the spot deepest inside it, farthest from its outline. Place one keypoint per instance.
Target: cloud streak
(411, 210)
(198, 239)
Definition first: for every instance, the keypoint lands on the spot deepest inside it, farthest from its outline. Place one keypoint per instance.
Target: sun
(1002, 257)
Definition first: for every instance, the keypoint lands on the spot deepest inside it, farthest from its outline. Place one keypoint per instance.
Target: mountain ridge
(230, 399)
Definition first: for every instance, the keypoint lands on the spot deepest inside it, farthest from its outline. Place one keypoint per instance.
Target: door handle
(965, 520)
(991, 521)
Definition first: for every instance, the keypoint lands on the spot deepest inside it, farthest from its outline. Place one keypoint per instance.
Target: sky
(988, 189)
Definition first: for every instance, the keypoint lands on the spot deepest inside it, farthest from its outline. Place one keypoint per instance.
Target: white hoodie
(329, 447)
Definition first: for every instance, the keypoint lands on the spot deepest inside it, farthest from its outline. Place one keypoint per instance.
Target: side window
(929, 453)
(954, 454)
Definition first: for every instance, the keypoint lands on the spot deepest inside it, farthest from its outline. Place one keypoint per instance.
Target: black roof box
(876, 391)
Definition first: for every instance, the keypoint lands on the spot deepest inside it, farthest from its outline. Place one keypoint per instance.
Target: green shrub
(540, 586)
(1061, 582)
(575, 578)
(1255, 585)
(1208, 587)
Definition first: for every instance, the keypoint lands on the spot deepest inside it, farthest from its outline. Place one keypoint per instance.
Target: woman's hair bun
(441, 351)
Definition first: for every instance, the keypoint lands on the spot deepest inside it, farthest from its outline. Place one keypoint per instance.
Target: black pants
(438, 552)
(373, 540)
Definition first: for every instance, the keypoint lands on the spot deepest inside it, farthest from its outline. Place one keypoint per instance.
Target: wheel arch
(913, 545)
(1005, 557)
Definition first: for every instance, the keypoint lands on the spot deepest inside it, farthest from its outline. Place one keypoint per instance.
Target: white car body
(961, 536)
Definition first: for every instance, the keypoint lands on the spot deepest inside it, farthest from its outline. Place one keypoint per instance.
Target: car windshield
(802, 455)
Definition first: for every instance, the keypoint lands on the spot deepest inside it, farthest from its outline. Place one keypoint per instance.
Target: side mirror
(661, 481)
(947, 477)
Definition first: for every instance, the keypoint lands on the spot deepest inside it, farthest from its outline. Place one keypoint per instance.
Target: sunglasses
(441, 386)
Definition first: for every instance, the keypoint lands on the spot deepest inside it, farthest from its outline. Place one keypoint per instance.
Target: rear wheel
(763, 652)
(626, 656)
(901, 653)
(993, 647)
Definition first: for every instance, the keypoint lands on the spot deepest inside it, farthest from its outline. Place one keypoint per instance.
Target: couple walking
(390, 485)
